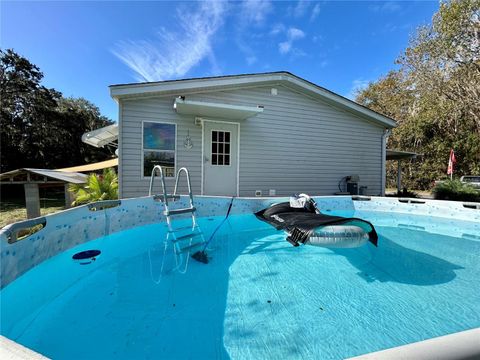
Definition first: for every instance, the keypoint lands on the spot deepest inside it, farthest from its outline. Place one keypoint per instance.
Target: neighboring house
(237, 135)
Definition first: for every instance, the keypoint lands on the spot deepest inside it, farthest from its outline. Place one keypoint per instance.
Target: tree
(74, 117)
(24, 104)
(97, 187)
(39, 128)
(434, 95)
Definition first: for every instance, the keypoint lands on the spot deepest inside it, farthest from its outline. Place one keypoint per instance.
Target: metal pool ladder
(182, 242)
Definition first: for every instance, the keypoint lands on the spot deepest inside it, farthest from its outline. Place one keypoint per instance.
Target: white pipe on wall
(386, 134)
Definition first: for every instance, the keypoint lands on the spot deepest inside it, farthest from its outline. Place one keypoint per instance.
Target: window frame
(142, 164)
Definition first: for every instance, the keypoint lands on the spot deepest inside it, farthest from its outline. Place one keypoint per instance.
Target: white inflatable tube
(338, 236)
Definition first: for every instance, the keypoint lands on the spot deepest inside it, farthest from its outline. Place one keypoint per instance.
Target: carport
(399, 156)
(31, 179)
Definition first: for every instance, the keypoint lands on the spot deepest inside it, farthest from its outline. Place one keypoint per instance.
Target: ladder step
(192, 228)
(179, 211)
(159, 197)
(187, 236)
(186, 248)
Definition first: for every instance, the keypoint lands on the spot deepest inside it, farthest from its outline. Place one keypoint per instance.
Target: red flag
(451, 162)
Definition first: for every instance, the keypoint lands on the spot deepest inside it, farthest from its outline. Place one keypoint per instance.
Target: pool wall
(10, 350)
(75, 226)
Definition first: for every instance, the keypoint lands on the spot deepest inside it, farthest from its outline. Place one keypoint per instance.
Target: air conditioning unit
(352, 184)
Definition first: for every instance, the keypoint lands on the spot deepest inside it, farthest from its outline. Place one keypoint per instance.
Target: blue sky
(82, 47)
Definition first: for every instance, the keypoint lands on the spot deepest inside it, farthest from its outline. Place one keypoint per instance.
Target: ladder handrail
(189, 184)
(162, 179)
(185, 170)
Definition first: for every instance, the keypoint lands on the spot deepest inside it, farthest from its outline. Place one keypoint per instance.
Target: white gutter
(386, 134)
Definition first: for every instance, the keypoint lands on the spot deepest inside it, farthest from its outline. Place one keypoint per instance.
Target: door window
(220, 147)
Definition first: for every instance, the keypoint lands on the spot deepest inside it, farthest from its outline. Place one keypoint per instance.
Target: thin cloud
(171, 54)
(323, 64)
(389, 27)
(284, 47)
(252, 59)
(357, 86)
(391, 6)
(251, 13)
(293, 34)
(315, 12)
(386, 6)
(255, 11)
(277, 29)
(301, 8)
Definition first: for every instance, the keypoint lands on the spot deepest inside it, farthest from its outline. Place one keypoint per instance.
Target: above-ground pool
(257, 298)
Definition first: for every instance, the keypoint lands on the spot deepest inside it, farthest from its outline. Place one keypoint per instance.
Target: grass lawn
(13, 209)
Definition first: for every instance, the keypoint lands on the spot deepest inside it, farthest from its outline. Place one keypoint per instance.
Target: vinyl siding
(134, 113)
(298, 144)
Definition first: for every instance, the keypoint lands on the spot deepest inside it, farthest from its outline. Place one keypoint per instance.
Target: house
(247, 135)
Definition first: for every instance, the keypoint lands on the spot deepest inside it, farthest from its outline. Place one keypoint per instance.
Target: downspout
(386, 134)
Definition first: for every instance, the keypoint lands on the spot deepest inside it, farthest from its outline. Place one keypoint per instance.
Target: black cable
(340, 182)
(202, 255)
(219, 225)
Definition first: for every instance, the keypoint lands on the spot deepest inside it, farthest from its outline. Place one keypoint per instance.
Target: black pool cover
(301, 222)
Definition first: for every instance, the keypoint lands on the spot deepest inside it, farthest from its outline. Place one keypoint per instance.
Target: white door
(220, 158)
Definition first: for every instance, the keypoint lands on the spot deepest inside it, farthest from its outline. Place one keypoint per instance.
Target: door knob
(206, 159)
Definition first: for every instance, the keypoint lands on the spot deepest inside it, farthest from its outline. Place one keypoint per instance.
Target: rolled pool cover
(305, 225)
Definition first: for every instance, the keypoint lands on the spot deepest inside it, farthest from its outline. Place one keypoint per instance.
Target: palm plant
(97, 187)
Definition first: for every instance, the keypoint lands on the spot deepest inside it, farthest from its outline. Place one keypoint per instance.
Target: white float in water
(338, 236)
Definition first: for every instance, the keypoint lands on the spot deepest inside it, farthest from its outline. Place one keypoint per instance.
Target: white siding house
(240, 134)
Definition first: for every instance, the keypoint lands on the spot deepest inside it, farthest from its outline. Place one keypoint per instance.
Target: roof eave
(119, 91)
(132, 90)
(343, 102)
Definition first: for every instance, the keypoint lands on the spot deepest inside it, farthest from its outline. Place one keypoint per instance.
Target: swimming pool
(259, 297)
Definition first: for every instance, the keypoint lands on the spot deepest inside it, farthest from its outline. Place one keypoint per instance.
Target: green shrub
(98, 187)
(456, 190)
(405, 193)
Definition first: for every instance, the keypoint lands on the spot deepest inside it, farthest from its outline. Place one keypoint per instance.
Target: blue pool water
(258, 298)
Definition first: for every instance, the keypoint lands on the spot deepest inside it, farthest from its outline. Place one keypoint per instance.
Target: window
(159, 147)
(220, 147)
